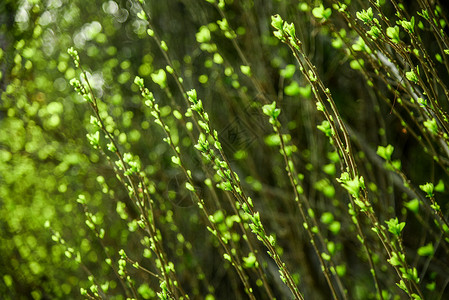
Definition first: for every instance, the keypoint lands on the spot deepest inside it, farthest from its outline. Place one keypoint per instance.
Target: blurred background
(46, 160)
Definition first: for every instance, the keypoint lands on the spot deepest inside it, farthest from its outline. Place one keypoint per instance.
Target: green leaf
(411, 76)
(357, 64)
(138, 81)
(190, 187)
(366, 16)
(272, 140)
(395, 260)
(176, 160)
(271, 110)
(164, 46)
(374, 32)
(431, 286)
(334, 227)
(292, 89)
(341, 270)
(94, 139)
(289, 29)
(305, 91)
(413, 205)
(327, 218)
(203, 35)
(428, 188)
(160, 78)
(431, 126)
(353, 186)
(141, 15)
(394, 226)
(393, 34)
(218, 59)
(440, 186)
(288, 72)
(277, 22)
(321, 13)
(192, 95)
(385, 152)
(326, 128)
(246, 70)
(409, 26)
(81, 199)
(426, 250)
(325, 256)
(359, 45)
(329, 169)
(218, 216)
(250, 261)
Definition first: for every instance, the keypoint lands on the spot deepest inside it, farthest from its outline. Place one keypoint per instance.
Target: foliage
(202, 149)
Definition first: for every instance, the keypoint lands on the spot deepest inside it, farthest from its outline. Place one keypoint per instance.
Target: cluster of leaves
(213, 148)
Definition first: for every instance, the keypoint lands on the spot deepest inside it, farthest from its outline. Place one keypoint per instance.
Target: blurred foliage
(46, 161)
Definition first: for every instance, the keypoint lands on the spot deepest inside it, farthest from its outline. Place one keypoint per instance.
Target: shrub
(224, 149)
